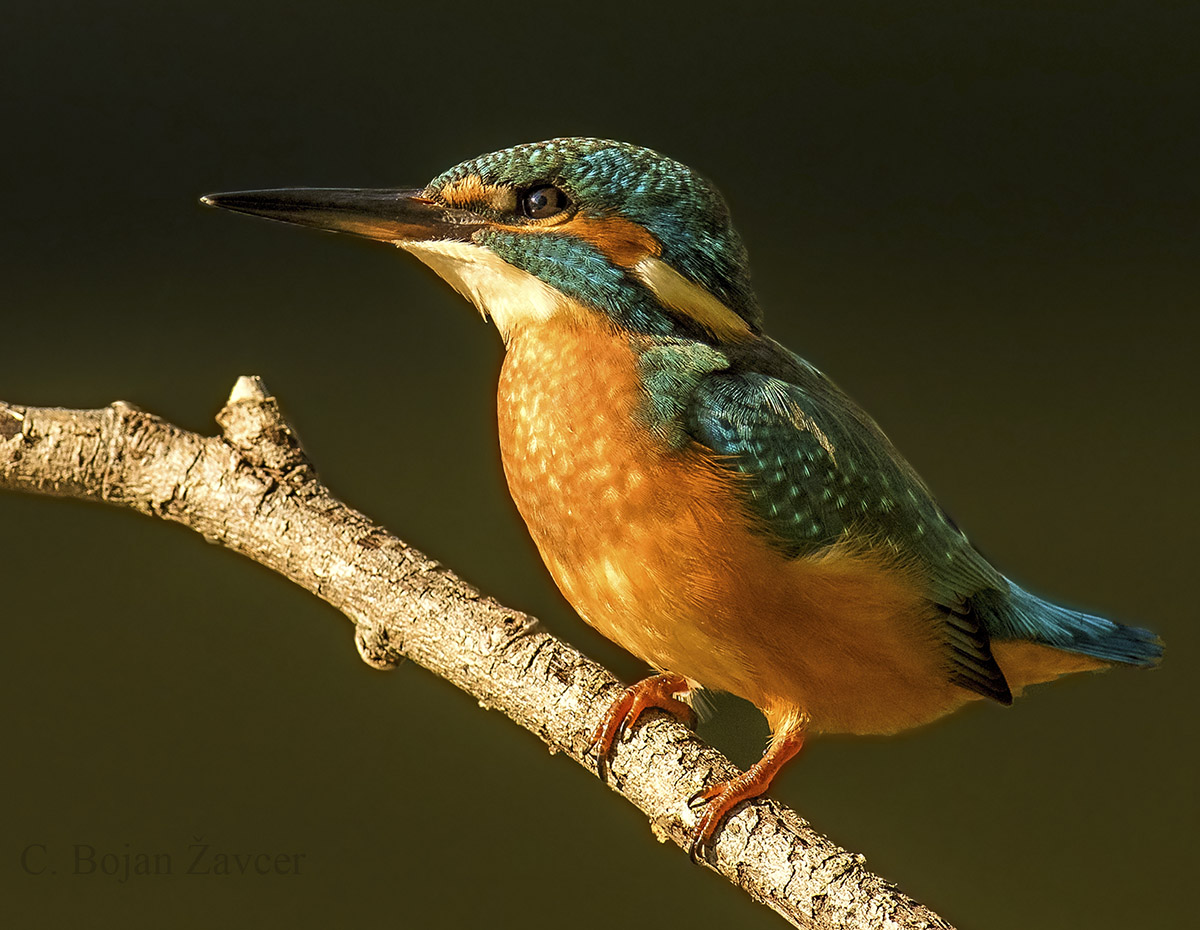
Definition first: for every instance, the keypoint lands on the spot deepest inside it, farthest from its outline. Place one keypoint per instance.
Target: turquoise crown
(680, 208)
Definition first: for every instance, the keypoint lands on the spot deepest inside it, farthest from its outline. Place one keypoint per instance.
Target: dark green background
(981, 219)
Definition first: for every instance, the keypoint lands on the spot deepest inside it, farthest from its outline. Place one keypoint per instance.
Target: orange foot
(722, 797)
(656, 691)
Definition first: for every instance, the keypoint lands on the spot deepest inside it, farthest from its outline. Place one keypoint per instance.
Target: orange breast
(654, 547)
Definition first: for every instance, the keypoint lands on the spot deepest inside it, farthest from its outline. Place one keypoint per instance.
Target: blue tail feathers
(1025, 616)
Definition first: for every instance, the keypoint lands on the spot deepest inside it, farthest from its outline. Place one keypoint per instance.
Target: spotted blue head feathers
(685, 215)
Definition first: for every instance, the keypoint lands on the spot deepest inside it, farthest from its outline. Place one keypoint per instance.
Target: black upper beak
(386, 215)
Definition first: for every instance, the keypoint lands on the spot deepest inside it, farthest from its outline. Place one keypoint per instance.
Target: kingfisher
(703, 496)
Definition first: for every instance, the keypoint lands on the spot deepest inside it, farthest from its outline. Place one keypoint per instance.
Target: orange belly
(654, 547)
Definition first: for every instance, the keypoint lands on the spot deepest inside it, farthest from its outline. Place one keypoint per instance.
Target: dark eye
(539, 202)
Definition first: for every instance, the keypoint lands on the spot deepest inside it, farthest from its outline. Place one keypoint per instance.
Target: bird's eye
(540, 202)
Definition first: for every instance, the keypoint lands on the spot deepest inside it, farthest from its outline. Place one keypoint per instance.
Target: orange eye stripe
(471, 191)
(617, 239)
(620, 241)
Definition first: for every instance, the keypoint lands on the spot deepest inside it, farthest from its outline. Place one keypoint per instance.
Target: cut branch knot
(252, 423)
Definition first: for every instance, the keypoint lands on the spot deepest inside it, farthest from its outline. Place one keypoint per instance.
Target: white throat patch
(510, 296)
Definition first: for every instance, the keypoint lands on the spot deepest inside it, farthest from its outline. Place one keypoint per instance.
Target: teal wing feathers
(817, 470)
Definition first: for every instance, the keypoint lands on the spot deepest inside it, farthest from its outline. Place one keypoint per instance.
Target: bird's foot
(719, 799)
(656, 691)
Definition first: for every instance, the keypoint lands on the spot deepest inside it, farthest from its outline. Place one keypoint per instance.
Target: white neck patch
(510, 296)
(682, 295)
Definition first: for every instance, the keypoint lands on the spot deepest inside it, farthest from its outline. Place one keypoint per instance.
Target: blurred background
(980, 219)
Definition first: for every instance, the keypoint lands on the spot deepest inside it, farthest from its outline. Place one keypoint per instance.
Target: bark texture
(253, 489)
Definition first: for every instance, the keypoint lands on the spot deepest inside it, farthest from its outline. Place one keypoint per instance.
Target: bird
(702, 495)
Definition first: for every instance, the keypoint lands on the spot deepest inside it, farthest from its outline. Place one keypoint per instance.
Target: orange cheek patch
(620, 241)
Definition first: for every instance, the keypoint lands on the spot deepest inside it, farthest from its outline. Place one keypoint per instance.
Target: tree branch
(254, 490)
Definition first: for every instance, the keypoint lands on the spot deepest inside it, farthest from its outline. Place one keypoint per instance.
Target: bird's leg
(719, 799)
(655, 691)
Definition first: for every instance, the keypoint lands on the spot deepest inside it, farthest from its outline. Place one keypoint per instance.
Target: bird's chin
(511, 297)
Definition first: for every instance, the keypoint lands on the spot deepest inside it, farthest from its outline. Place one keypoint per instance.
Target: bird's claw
(656, 691)
(707, 825)
(720, 799)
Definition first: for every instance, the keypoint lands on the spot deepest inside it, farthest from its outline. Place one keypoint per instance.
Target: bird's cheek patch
(623, 243)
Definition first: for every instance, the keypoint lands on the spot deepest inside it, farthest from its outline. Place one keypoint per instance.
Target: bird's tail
(1028, 617)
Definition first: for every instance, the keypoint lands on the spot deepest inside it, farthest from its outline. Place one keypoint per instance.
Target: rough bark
(253, 489)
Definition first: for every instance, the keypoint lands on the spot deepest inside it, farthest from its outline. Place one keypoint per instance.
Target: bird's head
(538, 229)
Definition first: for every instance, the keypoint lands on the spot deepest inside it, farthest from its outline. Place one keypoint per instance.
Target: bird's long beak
(386, 215)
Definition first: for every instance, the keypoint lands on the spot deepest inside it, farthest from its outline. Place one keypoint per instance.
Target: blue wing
(818, 470)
